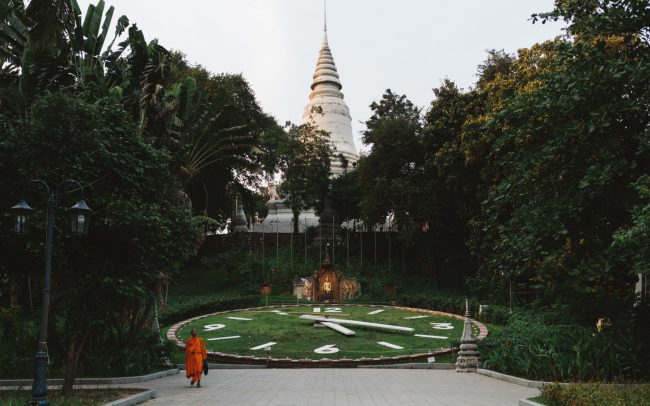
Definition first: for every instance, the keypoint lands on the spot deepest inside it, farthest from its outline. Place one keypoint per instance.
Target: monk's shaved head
(194, 332)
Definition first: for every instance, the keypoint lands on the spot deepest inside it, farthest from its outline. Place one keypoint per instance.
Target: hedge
(184, 307)
(597, 394)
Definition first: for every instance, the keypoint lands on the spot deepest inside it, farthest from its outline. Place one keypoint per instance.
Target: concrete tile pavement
(336, 387)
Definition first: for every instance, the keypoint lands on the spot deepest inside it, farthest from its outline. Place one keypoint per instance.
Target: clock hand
(338, 327)
(355, 322)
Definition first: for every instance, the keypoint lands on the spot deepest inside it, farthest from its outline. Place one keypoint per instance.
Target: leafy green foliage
(184, 307)
(550, 346)
(597, 394)
(141, 231)
(305, 161)
(14, 327)
(384, 175)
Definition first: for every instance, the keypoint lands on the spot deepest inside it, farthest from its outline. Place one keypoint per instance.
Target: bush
(531, 347)
(496, 314)
(597, 394)
(18, 333)
(138, 355)
(444, 302)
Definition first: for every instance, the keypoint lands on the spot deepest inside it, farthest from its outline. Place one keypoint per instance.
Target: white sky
(408, 46)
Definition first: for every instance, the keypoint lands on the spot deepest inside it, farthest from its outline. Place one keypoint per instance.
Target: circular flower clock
(322, 335)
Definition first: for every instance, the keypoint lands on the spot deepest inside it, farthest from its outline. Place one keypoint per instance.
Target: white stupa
(327, 111)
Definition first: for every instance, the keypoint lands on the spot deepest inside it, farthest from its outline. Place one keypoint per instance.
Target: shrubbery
(597, 394)
(442, 301)
(184, 307)
(543, 346)
(17, 355)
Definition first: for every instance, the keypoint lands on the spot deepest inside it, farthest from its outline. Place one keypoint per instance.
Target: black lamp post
(79, 220)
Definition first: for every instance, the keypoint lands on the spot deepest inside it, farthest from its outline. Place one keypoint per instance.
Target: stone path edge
(322, 363)
(512, 379)
(93, 381)
(134, 399)
(527, 402)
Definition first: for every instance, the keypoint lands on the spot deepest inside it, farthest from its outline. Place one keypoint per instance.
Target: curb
(226, 366)
(512, 379)
(93, 381)
(134, 399)
(440, 366)
(526, 402)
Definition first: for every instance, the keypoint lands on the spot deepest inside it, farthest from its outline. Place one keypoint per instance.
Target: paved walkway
(336, 387)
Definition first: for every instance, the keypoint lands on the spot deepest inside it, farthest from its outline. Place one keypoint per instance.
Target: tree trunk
(72, 362)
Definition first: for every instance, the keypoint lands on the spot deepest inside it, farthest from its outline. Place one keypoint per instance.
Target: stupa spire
(326, 79)
(326, 109)
(325, 22)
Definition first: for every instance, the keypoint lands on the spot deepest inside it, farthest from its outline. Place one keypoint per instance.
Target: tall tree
(101, 298)
(305, 162)
(393, 132)
(565, 146)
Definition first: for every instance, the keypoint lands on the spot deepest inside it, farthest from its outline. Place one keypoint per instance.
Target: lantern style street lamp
(21, 212)
(79, 221)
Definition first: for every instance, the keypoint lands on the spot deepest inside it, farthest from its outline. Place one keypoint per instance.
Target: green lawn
(297, 338)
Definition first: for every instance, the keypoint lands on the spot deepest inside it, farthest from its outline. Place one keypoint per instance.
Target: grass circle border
(323, 362)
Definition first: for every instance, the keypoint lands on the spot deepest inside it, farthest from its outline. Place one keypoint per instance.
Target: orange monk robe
(195, 354)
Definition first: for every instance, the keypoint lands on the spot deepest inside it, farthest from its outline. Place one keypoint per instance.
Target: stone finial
(468, 356)
(240, 224)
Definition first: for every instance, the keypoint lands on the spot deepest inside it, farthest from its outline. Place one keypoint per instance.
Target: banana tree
(13, 38)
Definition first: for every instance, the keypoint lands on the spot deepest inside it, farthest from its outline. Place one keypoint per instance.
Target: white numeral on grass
(212, 327)
(442, 326)
(389, 345)
(332, 310)
(262, 346)
(327, 349)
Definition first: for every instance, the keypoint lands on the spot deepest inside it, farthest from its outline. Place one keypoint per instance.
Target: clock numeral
(332, 310)
(327, 349)
(212, 327)
(442, 326)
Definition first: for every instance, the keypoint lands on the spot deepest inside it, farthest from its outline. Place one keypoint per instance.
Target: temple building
(327, 110)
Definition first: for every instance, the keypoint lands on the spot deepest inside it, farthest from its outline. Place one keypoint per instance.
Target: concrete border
(322, 363)
(441, 366)
(134, 399)
(512, 379)
(92, 381)
(226, 366)
(527, 402)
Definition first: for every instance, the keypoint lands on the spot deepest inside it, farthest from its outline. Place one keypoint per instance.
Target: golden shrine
(326, 285)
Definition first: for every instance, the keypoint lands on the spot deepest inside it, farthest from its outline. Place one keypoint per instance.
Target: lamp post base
(39, 386)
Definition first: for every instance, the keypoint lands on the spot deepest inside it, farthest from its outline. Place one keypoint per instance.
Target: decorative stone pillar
(468, 357)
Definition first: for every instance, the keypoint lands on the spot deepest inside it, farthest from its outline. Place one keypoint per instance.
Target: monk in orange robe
(195, 354)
